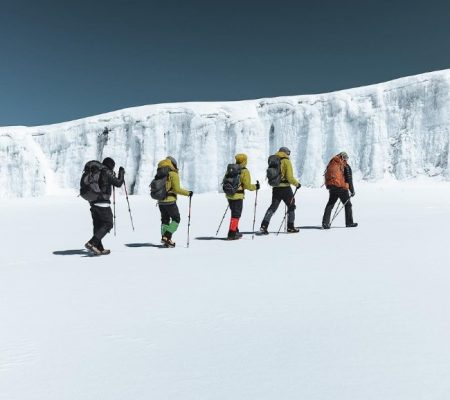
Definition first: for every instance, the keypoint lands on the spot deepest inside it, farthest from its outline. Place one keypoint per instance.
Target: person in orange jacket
(339, 182)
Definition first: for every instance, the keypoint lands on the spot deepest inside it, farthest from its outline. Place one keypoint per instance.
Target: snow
(342, 314)
(394, 130)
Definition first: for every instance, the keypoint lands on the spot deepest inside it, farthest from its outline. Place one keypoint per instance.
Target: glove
(352, 194)
(191, 193)
(121, 171)
(257, 185)
(299, 185)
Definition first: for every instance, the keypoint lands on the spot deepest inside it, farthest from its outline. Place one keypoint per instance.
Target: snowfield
(342, 314)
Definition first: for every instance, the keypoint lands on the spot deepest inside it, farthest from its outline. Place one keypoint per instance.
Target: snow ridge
(399, 129)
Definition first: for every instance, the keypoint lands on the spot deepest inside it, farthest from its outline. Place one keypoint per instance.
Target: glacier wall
(399, 129)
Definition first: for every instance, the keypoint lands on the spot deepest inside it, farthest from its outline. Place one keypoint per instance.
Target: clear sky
(62, 60)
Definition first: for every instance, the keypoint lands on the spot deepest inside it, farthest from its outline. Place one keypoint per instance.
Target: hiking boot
(326, 226)
(292, 229)
(167, 242)
(235, 237)
(263, 230)
(352, 225)
(103, 250)
(93, 249)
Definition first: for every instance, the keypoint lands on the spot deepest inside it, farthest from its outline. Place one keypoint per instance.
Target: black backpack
(274, 170)
(232, 179)
(158, 189)
(90, 189)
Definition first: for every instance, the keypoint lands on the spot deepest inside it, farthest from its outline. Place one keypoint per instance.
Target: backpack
(273, 172)
(232, 179)
(90, 189)
(334, 174)
(158, 190)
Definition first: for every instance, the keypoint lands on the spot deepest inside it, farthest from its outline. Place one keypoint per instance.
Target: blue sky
(62, 60)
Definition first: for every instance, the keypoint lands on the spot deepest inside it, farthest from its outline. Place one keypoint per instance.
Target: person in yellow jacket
(170, 215)
(282, 191)
(236, 200)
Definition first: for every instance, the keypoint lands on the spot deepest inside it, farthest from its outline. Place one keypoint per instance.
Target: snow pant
(236, 212)
(102, 219)
(170, 219)
(279, 194)
(335, 194)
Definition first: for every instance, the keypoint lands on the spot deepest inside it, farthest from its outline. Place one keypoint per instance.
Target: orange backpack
(334, 174)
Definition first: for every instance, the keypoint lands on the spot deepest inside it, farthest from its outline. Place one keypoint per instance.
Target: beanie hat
(173, 161)
(285, 150)
(344, 155)
(109, 162)
(241, 158)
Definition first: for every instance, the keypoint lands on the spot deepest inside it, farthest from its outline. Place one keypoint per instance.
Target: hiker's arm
(113, 180)
(246, 180)
(176, 188)
(289, 174)
(349, 178)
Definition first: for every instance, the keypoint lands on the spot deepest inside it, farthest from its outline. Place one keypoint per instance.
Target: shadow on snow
(159, 246)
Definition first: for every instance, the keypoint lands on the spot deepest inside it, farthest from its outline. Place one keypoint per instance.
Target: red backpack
(334, 174)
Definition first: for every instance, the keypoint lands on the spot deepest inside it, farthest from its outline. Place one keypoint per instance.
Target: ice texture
(398, 129)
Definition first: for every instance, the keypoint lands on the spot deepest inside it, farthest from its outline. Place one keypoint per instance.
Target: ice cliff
(398, 129)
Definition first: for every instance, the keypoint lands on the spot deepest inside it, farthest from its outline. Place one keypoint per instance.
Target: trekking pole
(285, 223)
(336, 210)
(254, 215)
(225, 213)
(336, 213)
(189, 220)
(286, 213)
(114, 210)
(128, 201)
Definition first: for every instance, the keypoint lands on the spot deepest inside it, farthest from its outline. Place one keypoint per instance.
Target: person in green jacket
(236, 200)
(170, 215)
(283, 192)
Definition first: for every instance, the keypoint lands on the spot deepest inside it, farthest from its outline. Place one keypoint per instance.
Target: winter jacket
(287, 174)
(173, 183)
(106, 179)
(246, 184)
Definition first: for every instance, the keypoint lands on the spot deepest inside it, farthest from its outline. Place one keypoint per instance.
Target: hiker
(165, 188)
(280, 176)
(339, 181)
(237, 179)
(96, 188)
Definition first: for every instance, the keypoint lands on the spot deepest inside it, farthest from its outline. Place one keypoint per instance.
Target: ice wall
(399, 129)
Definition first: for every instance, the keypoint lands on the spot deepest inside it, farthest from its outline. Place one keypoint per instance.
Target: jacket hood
(241, 159)
(167, 163)
(281, 154)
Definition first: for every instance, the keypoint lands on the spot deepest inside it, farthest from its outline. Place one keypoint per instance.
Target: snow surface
(341, 314)
(399, 129)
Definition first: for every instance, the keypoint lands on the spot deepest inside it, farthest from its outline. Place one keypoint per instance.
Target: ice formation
(399, 129)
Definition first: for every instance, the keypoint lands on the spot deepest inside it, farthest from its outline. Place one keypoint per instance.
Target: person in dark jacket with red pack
(339, 182)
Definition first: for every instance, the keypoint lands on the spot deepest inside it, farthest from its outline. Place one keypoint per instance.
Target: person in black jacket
(102, 216)
(339, 182)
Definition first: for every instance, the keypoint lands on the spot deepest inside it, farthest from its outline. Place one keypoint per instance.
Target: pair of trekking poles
(114, 206)
(339, 208)
(131, 217)
(254, 215)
